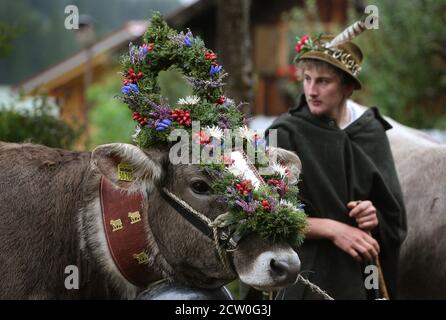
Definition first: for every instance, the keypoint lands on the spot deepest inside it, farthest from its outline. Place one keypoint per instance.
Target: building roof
(75, 65)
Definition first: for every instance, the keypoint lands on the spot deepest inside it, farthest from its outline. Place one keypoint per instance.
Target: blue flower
(129, 88)
(163, 125)
(143, 51)
(188, 41)
(215, 68)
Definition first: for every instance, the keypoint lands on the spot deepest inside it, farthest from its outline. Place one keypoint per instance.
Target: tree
(7, 34)
(234, 47)
(405, 63)
(37, 125)
(110, 119)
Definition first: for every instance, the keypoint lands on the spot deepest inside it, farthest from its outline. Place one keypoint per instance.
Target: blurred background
(58, 85)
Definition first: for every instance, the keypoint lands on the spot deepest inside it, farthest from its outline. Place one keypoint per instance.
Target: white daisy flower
(215, 132)
(236, 171)
(229, 102)
(189, 101)
(246, 133)
(288, 204)
(136, 134)
(278, 168)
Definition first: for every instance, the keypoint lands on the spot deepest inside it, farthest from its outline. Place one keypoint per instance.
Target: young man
(348, 184)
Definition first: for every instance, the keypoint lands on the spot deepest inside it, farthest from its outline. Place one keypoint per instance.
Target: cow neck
(125, 233)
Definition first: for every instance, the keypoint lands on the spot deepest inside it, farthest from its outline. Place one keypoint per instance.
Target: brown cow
(421, 167)
(50, 218)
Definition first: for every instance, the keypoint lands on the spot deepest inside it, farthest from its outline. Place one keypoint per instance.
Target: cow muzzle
(270, 270)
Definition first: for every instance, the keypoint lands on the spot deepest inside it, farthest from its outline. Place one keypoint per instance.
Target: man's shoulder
(286, 120)
(361, 109)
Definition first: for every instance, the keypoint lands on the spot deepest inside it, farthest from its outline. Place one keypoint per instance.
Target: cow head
(178, 248)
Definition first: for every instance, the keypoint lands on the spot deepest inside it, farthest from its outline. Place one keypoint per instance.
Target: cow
(421, 166)
(52, 224)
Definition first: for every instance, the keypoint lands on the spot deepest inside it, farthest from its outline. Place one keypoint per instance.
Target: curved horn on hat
(349, 33)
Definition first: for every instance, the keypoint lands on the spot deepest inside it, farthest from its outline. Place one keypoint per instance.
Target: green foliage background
(110, 119)
(37, 125)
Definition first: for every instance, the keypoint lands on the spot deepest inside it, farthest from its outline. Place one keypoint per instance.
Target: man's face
(324, 91)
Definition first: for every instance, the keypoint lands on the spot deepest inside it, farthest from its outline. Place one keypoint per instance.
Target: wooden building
(66, 81)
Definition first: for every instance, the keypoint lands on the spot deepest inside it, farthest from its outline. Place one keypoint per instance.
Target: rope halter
(224, 242)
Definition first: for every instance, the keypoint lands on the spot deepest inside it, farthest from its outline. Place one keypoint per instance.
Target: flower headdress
(267, 205)
(337, 51)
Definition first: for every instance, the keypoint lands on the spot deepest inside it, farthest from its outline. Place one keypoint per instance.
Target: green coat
(339, 166)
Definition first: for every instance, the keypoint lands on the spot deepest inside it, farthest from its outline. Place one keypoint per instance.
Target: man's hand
(354, 241)
(364, 213)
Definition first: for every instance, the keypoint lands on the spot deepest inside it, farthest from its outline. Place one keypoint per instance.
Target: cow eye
(200, 187)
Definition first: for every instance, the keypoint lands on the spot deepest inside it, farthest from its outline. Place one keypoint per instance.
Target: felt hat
(337, 51)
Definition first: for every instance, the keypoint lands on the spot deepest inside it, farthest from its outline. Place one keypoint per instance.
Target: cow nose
(285, 272)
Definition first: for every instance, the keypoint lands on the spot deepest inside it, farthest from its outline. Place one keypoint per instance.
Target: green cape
(339, 166)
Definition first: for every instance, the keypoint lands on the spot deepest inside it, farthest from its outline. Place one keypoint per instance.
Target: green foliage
(234, 288)
(286, 222)
(169, 52)
(282, 225)
(173, 86)
(7, 34)
(110, 119)
(405, 62)
(37, 125)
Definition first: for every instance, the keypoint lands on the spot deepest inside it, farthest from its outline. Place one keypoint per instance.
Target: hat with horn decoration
(338, 51)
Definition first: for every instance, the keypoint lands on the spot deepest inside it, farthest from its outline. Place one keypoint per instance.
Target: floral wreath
(271, 209)
(306, 44)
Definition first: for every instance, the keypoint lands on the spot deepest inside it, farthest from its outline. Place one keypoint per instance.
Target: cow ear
(127, 166)
(288, 159)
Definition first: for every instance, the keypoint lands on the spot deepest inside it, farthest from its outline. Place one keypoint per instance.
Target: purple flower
(224, 123)
(247, 207)
(143, 51)
(136, 53)
(160, 112)
(188, 41)
(215, 68)
(129, 88)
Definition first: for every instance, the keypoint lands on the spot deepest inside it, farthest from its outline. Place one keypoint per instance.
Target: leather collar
(125, 233)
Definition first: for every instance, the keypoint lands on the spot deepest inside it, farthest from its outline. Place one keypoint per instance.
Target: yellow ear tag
(125, 172)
